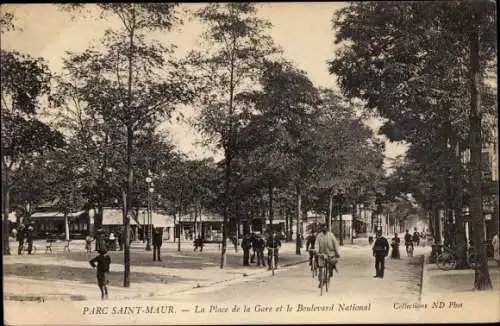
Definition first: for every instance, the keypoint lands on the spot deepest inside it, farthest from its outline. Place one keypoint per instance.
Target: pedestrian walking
(198, 243)
(260, 245)
(380, 251)
(88, 243)
(102, 262)
(395, 242)
(112, 241)
(119, 237)
(496, 250)
(416, 238)
(21, 235)
(246, 245)
(157, 242)
(409, 243)
(100, 240)
(29, 238)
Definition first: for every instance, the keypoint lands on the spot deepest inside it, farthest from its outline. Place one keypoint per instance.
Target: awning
(205, 217)
(53, 215)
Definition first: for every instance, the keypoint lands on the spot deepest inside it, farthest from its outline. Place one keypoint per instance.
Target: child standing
(102, 262)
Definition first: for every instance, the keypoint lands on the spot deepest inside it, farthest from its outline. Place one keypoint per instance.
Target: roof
(54, 215)
(114, 216)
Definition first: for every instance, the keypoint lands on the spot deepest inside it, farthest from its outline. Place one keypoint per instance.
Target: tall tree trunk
(130, 171)
(227, 203)
(341, 223)
(195, 219)
(299, 211)
(5, 205)
(482, 279)
(271, 210)
(66, 226)
(461, 241)
(330, 209)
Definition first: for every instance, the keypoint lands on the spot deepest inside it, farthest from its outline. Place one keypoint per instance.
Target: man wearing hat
(326, 244)
(380, 251)
(102, 263)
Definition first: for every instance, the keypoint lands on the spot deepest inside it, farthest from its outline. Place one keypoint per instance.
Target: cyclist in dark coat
(311, 240)
(273, 244)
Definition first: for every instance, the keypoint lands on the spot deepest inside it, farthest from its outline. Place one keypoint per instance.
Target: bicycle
(447, 260)
(314, 265)
(272, 265)
(323, 273)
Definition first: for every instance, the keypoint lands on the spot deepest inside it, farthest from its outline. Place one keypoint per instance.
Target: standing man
(21, 234)
(29, 238)
(157, 242)
(326, 244)
(260, 245)
(310, 242)
(253, 239)
(246, 244)
(380, 251)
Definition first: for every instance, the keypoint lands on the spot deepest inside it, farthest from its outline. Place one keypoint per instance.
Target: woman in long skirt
(395, 247)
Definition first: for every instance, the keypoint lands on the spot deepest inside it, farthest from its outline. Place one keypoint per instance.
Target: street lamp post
(149, 183)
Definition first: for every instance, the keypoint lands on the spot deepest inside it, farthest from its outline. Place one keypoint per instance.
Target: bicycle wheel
(273, 264)
(446, 261)
(321, 280)
(327, 276)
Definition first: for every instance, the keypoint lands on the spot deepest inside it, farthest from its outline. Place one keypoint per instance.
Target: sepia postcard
(249, 163)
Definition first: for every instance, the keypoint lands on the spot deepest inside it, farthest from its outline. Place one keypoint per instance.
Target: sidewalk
(59, 276)
(457, 284)
(39, 277)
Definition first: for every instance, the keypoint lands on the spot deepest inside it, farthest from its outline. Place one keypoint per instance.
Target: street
(354, 280)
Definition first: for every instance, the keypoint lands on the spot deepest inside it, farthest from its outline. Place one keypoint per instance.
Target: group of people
(258, 243)
(24, 234)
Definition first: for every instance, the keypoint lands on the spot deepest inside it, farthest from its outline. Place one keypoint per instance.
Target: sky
(303, 30)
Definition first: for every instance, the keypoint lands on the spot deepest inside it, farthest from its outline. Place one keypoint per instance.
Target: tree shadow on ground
(87, 276)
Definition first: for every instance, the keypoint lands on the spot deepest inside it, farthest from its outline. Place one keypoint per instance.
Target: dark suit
(380, 251)
(157, 242)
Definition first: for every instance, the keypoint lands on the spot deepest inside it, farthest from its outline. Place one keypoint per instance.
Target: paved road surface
(402, 282)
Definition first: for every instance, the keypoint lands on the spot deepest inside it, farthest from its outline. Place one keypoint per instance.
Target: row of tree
(425, 68)
(285, 142)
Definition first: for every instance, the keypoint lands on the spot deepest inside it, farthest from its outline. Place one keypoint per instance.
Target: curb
(423, 276)
(242, 278)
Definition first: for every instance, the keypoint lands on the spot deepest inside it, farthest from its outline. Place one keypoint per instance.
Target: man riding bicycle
(408, 242)
(310, 242)
(326, 244)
